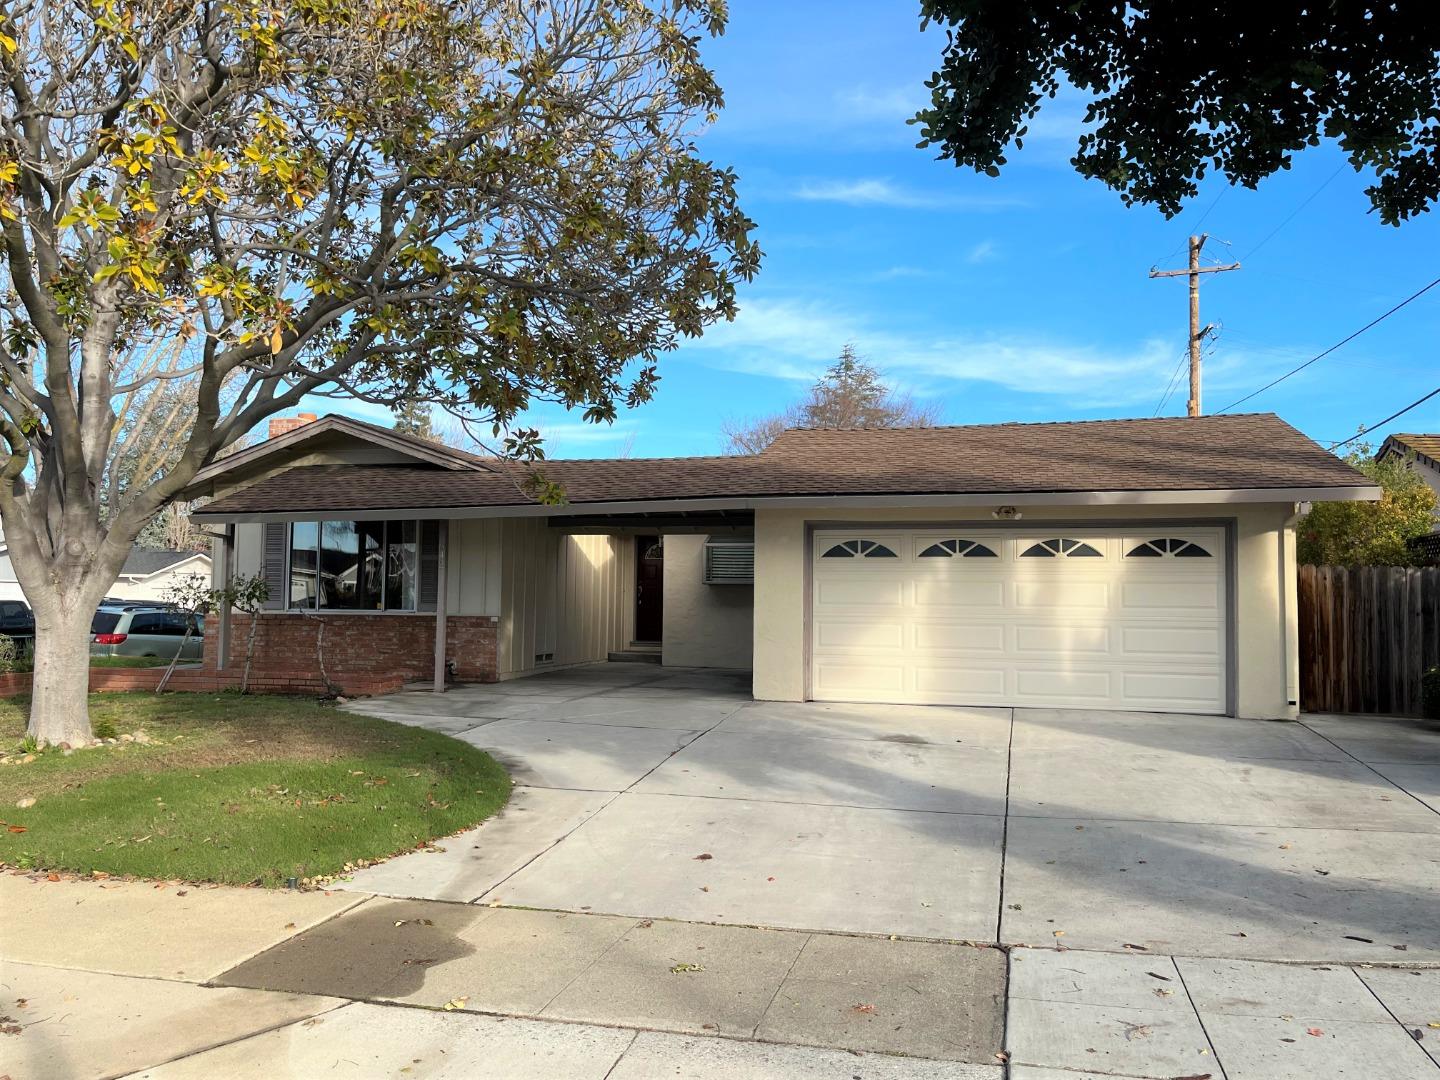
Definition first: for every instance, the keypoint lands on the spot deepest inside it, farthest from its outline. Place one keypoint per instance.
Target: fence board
(1366, 635)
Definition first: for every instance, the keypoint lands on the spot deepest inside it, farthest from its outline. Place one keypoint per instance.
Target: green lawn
(134, 661)
(237, 789)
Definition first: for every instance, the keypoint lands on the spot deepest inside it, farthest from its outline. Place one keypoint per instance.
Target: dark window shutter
(429, 565)
(274, 569)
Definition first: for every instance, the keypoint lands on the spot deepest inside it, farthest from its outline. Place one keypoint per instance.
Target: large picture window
(354, 565)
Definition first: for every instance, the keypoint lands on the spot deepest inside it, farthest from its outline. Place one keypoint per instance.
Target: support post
(226, 576)
(442, 591)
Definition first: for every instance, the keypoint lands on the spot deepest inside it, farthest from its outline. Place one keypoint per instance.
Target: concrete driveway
(662, 793)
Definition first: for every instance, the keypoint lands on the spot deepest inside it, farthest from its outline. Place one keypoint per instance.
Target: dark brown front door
(649, 588)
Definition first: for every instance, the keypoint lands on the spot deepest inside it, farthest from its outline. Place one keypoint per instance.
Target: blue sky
(1019, 298)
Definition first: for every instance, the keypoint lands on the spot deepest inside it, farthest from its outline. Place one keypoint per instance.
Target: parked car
(145, 630)
(16, 620)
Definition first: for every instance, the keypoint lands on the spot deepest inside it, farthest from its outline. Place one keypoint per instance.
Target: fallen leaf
(1001, 1056)
(1137, 1031)
(17, 828)
(1157, 975)
(1137, 948)
(1366, 940)
(681, 969)
(1433, 1024)
(48, 877)
(1163, 991)
(1317, 1032)
(1058, 933)
(703, 856)
(455, 1003)
(862, 1008)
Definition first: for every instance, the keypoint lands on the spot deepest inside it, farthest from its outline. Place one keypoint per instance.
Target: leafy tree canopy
(1370, 534)
(851, 394)
(478, 203)
(1178, 89)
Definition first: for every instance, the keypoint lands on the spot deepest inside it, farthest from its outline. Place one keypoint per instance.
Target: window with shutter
(729, 562)
(276, 547)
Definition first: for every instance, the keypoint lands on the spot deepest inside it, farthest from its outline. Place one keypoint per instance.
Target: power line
(1344, 341)
(1382, 423)
(1170, 386)
(1291, 216)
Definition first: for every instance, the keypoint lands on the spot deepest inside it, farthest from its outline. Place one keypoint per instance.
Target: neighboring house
(149, 574)
(1423, 453)
(1131, 564)
(9, 583)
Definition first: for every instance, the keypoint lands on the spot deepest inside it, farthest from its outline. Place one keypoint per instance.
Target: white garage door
(1131, 619)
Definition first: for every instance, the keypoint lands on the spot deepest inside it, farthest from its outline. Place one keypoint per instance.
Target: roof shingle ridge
(1050, 423)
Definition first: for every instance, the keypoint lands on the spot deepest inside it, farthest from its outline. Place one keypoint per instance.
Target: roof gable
(330, 431)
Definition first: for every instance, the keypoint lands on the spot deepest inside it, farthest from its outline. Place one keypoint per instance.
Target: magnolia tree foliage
(478, 203)
(1366, 533)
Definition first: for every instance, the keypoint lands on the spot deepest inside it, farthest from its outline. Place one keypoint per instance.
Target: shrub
(104, 729)
(1430, 694)
(8, 653)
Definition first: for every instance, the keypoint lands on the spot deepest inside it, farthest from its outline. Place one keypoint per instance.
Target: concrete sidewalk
(105, 980)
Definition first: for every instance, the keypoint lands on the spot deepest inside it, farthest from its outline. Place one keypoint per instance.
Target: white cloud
(796, 341)
(866, 102)
(883, 192)
(984, 251)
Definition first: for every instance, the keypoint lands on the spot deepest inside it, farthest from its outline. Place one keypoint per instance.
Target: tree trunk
(59, 706)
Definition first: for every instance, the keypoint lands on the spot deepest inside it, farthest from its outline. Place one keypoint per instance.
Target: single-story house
(150, 573)
(1129, 564)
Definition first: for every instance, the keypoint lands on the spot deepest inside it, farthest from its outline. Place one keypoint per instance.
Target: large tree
(1176, 89)
(1370, 533)
(851, 394)
(477, 203)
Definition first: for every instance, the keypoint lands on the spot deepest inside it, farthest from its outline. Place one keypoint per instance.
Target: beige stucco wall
(1266, 664)
(705, 625)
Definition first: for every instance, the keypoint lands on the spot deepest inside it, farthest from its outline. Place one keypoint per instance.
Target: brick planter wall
(364, 646)
(197, 680)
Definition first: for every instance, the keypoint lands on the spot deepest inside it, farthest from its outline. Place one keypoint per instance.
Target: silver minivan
(137, 630)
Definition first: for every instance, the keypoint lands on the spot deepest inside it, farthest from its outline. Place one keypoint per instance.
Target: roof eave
(1196, 496)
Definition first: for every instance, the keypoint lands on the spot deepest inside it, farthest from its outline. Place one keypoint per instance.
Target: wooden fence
(1367, 633)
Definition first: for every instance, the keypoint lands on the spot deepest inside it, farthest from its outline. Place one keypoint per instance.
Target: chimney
(281, 424)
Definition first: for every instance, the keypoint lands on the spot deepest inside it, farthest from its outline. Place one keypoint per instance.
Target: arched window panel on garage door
(859, 549)
(1166, 547)
(1061, 548)
(952, 549)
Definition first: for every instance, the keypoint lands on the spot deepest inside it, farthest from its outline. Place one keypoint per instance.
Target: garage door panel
(861, 591)
(959, 637)
(1141, 687)
(1051, 683)
(939, 683)
(1144, 632)
(968, 595)
(1057, 593)
(1090, 640)
(1161, 641)
(862, 634)
(866, 679)
(1168, 595)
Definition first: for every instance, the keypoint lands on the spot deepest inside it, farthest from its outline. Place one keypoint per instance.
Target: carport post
(442, 590)
(227, 573)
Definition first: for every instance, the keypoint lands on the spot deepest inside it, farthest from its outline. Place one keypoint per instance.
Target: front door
(649, 588)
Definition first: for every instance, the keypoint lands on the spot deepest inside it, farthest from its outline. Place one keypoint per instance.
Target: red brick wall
(364, 645)
(204, 681)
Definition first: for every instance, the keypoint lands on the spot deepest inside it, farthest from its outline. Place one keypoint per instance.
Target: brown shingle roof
(1423, 445)
(1254, 451)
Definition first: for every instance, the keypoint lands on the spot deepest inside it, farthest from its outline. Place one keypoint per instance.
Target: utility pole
(1197, 334)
